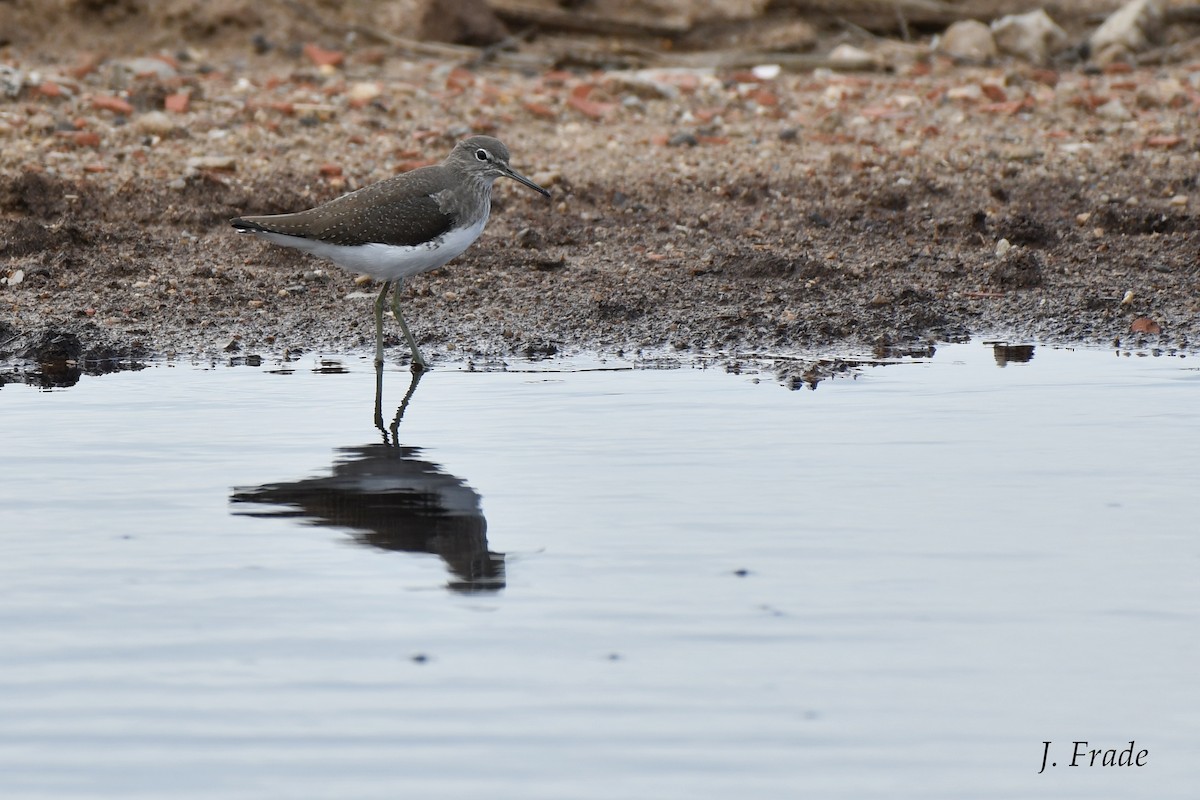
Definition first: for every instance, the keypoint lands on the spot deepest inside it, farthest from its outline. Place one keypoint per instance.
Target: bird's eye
(481, 154)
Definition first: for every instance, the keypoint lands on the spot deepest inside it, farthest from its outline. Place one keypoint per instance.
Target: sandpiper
(401, 226)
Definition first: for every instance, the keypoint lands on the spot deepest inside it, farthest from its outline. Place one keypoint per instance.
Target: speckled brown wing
(397, 211)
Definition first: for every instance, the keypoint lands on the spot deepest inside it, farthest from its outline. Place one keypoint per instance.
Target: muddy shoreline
(735, 216)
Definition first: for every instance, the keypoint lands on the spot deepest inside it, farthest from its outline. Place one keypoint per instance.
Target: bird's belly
(387, 262)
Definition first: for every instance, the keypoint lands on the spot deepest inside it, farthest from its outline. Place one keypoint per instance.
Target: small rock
(155, 123)
(1145, 325)
(644, 83)
(969, 40)
(1002, 248)
(683, 138)
(147, 67)
(323, 58)
(178, 102)
(1128, 298)
(364, 92)
(1179, 200)
(116, 105)
(1130, 29)
(219, 163)
(547, 177)
(16, 277)
(11, 80)
(971, 91)
(1115, 111)
(1034, 37)
(529, 238)
(848, 57)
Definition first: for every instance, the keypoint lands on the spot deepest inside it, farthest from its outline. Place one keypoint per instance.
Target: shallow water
(567, 583)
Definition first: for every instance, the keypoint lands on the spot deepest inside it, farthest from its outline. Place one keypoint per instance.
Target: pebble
(16, 277)
(1114, 110)
(1130, 29)
(547, 178)
(1002, 248)
(849, 57)
(156, 123)
(223, 163)
(363, 92)
(968, 39)
(971, 91)
(152, 67)
(11, 80)
(1179, 200)
(1034, 36)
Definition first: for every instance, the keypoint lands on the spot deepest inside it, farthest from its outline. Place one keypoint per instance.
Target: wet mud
(119, 275)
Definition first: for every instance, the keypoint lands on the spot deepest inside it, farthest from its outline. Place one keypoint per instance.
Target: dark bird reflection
(394, 500)
(1006, 354)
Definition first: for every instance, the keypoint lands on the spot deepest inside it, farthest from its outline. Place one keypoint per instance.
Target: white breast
(387, 262)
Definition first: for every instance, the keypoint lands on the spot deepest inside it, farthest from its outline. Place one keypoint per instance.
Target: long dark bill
(519, 178)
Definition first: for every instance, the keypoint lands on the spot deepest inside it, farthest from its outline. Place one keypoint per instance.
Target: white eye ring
(481, 154)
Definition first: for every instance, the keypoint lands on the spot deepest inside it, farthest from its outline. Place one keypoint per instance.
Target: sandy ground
(695, 212)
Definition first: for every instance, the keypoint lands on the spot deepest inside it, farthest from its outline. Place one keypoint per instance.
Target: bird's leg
(418, 363)
(379, 402)
(379, 322)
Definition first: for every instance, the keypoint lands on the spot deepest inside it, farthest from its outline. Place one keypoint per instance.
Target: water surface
(567, 582)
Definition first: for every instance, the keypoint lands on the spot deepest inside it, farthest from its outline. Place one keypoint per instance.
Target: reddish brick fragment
(81, 138)
(177, 102)
(1145, 325)
(539, 109)
(107, 102)
(321, 57)
(994, 93)
(1165, 141)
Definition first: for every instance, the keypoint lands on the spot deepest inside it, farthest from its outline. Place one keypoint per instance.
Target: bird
(401, 226)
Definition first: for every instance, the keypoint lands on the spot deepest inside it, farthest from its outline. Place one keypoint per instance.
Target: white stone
(158, 123)
(1114, 110)
(968, 39)
(849, 57)
(1130, 29)
(364, 91)
(1034, 36)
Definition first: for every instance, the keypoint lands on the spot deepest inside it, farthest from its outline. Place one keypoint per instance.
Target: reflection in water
(394, 500)
(1006, 354)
